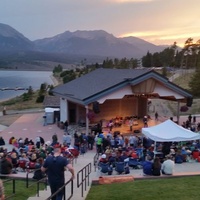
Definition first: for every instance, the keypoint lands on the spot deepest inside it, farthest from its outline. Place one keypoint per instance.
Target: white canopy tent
(169, 131)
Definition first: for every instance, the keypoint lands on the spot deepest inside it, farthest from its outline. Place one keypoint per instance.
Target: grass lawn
(158, 189)
(21, 192)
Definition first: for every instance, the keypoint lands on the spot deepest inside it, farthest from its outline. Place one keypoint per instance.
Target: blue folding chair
(120, 167)
(105, 168)
(134, 163)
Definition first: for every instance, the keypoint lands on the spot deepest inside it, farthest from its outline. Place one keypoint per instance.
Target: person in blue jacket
(147, 166)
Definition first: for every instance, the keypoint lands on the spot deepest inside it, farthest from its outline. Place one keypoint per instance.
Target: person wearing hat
(103, 159)
(167, 167)
(55, 167)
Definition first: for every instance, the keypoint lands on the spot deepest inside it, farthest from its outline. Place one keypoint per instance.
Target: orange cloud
(129, 1)
(165, 36)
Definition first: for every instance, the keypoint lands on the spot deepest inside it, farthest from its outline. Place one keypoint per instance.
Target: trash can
(49, 113)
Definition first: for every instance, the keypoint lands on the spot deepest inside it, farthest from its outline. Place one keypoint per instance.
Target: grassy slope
(183, 81)
(173, 188)
(17, 103)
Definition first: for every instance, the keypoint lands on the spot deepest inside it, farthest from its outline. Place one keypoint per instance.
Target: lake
(22, 79)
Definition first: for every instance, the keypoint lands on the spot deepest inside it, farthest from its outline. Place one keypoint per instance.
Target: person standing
(67, 139)
(156, 116)
(190, 118)
(145, 121)
(90, 141)
(55, 167)
(66, 124)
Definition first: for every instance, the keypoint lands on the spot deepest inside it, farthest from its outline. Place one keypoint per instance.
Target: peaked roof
(98, 83)
(169, 131)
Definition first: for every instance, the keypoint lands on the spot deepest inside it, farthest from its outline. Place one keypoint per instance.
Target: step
(43, 194)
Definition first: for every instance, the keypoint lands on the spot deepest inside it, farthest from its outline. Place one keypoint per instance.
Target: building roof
(98, 83)
(51, 101)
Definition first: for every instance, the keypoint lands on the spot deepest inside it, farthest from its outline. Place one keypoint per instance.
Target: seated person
(122, 157)
(156, 167)
(103, 159)
(2, 141)
(168, 165)
(185, 153)
(147, 166)
(178, 157)
(6, 165)
(195, 153)
(134, 154)
(112, 159)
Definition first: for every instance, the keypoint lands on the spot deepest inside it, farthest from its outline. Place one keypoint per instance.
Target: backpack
(99, 141)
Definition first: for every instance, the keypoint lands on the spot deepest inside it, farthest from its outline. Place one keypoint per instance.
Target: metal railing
(8, 178)
(38, 182)
(84, 173)
(13, 187)
(64, 188)
(95, 161)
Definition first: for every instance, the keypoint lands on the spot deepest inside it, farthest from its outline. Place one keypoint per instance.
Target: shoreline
(24, 70)
(53, 80)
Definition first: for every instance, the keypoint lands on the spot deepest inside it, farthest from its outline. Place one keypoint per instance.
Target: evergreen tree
(194, 84)
(146, 60)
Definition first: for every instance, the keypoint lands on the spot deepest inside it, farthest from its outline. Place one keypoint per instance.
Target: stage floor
(125, 130)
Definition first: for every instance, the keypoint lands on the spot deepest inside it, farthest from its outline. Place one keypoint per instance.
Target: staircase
(81, 162)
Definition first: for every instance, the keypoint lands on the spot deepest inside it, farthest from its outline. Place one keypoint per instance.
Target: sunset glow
(160, 22)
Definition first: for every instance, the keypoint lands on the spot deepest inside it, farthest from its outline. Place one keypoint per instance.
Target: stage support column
(87, 120)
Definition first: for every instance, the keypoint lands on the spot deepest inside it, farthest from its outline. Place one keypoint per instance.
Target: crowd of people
(134, 151)
(114, 148)
(29, 154)
(49, 158)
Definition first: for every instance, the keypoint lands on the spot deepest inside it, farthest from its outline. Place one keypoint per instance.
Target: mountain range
(96, 44)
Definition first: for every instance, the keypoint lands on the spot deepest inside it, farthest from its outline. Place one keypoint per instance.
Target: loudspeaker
(189, 101)
(96, 107)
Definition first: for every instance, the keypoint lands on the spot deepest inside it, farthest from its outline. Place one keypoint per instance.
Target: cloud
(166, 36)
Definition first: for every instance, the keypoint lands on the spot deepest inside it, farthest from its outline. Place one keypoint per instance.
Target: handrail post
(13, 186)
(27, 180)
(84, 173)
(89, 171)
(72, 187)
(64, 193)
(85, 177)
(38, 188)
(82, 183)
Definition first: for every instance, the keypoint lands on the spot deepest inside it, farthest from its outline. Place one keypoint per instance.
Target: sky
(161, 22)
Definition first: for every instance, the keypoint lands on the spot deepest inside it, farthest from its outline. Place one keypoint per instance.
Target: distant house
(107, 93)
